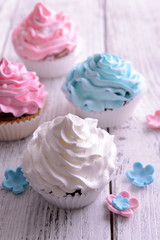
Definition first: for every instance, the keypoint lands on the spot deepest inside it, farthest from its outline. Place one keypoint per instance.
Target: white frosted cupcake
(22, 98)
(69, 161)
(47, 42)
(104, 87)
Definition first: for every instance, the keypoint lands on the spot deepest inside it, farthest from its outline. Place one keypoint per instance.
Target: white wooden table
(130, 29)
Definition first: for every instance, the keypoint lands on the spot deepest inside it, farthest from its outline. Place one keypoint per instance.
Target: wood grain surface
(126, 28)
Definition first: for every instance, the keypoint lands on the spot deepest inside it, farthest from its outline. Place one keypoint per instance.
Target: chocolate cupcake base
(14, 129)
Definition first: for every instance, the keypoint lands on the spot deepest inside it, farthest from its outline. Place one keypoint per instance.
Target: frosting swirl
(20, 90)
(103, 81)
(69, 153)
(44, 33)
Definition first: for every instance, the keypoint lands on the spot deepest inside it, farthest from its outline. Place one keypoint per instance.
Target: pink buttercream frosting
(44, 33)
(20, 90)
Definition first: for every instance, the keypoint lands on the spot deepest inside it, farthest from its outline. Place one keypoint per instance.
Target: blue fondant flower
(120, 203)
(15, 181)
(140, 175)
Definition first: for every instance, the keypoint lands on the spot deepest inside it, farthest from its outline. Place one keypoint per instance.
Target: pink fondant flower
(154, 120)
(133, 203)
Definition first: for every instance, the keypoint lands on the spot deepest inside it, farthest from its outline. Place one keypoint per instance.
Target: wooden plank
(29, 216)
(7, 9)
(133, 33)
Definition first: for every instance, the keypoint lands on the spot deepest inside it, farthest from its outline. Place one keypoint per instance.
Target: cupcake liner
(69, 201)
(76, 201)
(52, 68)
(111, 117)
(17, 130)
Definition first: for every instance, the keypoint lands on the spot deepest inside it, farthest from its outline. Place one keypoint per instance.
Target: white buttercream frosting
(69, 153)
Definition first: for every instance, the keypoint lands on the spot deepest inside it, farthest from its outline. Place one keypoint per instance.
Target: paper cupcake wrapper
(77, 201)
(70, 202)
(49, 68)
(18, 130)
(111, 118)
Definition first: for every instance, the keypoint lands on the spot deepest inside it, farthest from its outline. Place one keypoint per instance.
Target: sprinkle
(24, 77)
(4, 85)
(17, 74)
(27, 98)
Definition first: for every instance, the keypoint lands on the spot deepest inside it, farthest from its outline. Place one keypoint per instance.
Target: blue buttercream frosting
(103, 81)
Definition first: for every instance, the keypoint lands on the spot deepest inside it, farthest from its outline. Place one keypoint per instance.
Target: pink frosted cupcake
(21, 99)
(47, 42)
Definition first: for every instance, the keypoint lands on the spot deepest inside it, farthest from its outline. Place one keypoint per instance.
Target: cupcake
(105, 87)
(47, 42)
(22, 98)
(69, 161)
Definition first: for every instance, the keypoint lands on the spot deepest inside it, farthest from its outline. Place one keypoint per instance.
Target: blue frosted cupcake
(105, 87)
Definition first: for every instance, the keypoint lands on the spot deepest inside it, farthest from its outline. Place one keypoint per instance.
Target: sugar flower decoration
(122, 204)
(154, 120)
(15, 181)
(140, 175)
